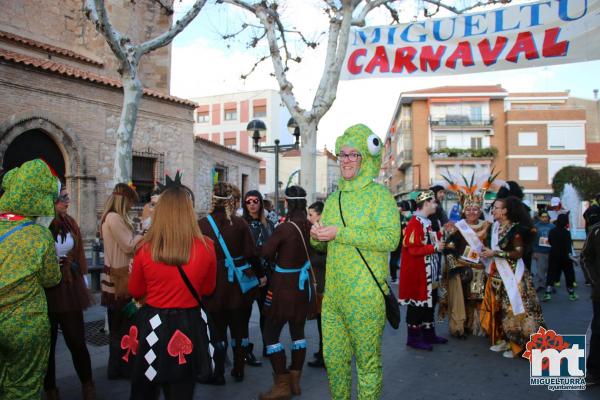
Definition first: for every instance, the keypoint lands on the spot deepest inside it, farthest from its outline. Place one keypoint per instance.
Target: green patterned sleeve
(50, 272)
(384, 235)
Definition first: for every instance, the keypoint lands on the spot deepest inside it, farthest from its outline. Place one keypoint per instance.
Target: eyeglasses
(64, 198)
(349, 156)
(252, 201)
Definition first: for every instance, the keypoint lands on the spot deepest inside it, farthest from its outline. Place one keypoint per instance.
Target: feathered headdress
(174, 182)
(473, 191)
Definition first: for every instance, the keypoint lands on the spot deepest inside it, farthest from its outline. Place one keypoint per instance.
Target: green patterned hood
(30, 190)
(369, 145)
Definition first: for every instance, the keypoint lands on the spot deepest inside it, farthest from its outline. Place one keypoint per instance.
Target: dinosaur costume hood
(30, 190)
(369, 145)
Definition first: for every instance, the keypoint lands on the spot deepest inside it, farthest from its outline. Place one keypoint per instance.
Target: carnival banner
(519, 36)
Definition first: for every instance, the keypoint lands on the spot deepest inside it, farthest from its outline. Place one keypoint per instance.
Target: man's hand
(323, 234)
(262, 281)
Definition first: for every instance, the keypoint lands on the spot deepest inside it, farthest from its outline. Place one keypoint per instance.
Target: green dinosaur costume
(353, 307)
(28, 263)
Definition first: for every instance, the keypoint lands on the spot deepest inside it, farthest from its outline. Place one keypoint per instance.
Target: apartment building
(223, 118)
(527, 137)
(457, 129)
(544, 133)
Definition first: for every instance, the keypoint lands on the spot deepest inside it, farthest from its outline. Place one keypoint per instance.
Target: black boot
(317, 362)
(250, 359)
(237, 371)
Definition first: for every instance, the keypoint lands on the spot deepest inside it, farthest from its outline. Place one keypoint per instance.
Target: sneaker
(547, 297)
(508, 354)
(573, 296)
(501, 345)
(574, 284)
(557, 284)
(394, 280)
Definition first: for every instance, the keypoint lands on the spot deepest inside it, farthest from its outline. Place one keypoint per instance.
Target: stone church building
(61, 99)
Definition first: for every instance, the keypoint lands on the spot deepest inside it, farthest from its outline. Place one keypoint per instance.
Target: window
(143, 175)
(262, 176)
(440, 143)
(528, 139)
(476, 113)
(566, 137)
(202, 117)
(259, 111)
(476, 142)
(230, 115)
(221, 173)
(528, 173)
(230, 142)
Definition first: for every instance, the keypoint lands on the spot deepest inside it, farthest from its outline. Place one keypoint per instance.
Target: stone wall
(63, 24)
(207, 155)
(82, 118)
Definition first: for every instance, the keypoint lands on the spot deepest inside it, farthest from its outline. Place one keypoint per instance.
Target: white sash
(509, 279)
(473, 241)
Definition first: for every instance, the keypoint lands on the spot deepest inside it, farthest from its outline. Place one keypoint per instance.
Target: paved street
(458, 370)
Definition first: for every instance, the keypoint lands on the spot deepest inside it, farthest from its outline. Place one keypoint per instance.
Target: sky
(203, 64)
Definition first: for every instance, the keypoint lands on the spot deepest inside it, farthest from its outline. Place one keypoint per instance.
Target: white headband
(222, 198)
(295, 198)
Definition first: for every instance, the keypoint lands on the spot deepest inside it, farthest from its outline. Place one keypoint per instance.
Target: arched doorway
(33, 144)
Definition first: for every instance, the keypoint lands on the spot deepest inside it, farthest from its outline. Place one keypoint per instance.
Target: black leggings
(556, 266)
(71, 324)
(237, 322)
(419, 315)
(151, 391)
(271, 335)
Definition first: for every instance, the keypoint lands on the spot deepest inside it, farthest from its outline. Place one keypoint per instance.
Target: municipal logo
(556, 361)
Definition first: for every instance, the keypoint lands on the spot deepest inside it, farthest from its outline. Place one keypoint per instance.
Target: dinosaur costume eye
(374, 144)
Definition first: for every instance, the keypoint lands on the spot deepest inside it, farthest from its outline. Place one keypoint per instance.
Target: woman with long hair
(292, 292)
(510, 311)
(67, 301)
(262, 228)
(175, 266)
(120, 240)
(238, 274)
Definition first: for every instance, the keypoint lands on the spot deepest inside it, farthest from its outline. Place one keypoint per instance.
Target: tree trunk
(308, 159)
(132, 94)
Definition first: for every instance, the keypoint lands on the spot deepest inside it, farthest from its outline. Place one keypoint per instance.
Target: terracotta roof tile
(74, 72)
(593, 153)
(11, 37)
(459, 89)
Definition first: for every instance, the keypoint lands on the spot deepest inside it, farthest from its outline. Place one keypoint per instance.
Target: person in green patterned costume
(28, 263)
(353, 313)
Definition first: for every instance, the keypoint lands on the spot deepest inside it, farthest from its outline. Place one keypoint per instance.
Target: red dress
(415, 286)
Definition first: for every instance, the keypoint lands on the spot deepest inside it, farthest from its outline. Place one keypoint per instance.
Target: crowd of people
(179, 292)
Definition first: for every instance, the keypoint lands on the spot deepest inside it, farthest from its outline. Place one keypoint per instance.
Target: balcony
(404, 159)
(460, 121)
(456, 153)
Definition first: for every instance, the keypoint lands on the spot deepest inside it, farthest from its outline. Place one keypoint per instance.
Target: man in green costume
(353, 314)
(28, 263)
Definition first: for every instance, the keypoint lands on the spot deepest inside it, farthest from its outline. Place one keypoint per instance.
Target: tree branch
(96, 12)
(166, 37)
(167, 8)
(369, 6)
(455, 10)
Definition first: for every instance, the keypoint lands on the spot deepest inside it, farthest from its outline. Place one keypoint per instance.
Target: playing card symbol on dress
(130, 342)
(179, 346)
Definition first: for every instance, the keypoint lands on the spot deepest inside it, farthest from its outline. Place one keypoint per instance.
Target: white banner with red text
(518, 36)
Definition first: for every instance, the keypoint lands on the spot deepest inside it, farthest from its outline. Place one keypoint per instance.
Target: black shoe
(250, 359)
(238, 376)
(317, 363)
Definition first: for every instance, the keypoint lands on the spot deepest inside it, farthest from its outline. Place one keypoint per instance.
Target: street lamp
(257, 127)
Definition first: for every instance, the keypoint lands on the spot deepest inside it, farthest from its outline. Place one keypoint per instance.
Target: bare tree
(129, 54)
(342, 15)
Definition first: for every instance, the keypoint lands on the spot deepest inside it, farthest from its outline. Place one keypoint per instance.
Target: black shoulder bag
(392, 309)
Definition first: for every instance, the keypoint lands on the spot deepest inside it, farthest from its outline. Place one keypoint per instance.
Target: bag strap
(219, 237)
(189, 285)
(357, 249)
(15, 229)
(306, 250)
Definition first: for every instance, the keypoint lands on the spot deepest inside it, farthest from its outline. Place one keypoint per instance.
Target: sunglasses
(252, 201)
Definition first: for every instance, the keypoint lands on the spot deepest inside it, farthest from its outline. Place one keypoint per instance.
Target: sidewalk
(459, 370)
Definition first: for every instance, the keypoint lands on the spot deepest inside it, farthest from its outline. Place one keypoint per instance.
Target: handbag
(246, 282)
(319, 296)
(392, 309)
